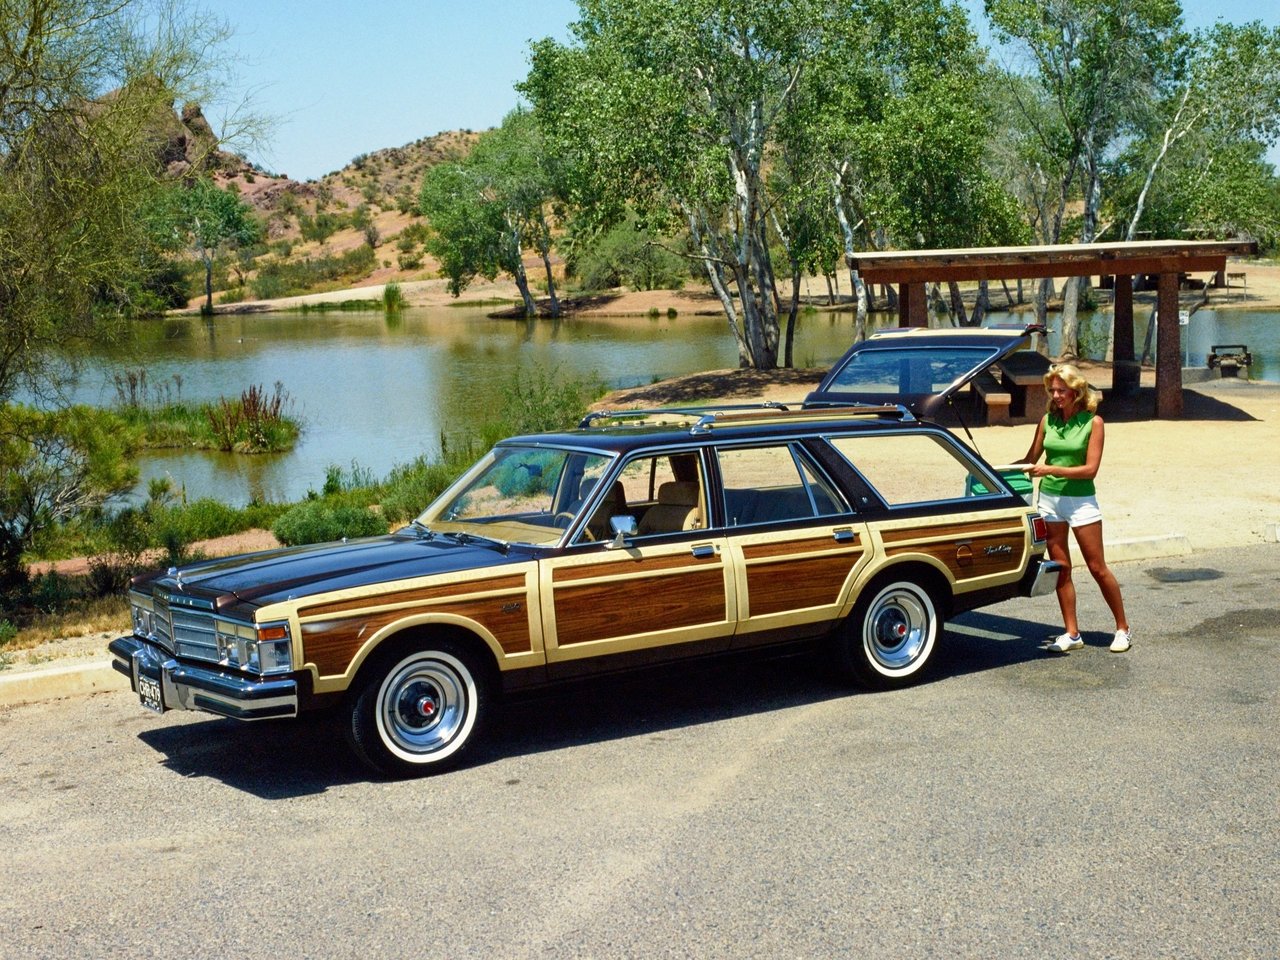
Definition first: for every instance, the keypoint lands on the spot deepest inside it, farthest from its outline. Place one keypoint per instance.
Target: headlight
(264, 648)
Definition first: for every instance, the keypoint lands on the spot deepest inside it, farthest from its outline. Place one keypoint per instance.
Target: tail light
(1039, 529)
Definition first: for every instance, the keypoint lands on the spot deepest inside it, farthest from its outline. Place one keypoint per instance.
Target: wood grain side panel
(641, 605)
(414, 595)
(971, 559)
(799, 583)
(620, 568)
(954, 531)
(332, 644)
(786, 548)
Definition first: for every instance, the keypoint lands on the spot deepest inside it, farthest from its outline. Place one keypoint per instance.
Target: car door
(794, 538)
(664, 592)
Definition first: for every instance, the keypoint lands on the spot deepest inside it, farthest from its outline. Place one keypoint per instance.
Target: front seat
(676, 509)
(613, 505)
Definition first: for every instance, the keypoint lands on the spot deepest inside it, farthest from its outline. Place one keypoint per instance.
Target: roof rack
(703, 419)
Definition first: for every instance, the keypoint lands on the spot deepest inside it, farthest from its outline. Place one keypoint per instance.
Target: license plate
(150, 693)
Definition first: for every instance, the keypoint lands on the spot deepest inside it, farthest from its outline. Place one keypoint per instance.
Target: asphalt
(83, 666)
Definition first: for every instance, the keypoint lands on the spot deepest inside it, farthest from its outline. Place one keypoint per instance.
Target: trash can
(1014, 476)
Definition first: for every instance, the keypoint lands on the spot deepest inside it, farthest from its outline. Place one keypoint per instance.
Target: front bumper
(186, 686)
(1041, 577)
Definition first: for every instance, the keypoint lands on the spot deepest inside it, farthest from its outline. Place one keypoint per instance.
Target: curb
(52, 682)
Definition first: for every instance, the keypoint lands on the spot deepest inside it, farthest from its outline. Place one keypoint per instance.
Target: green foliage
(392, 298)
(540, 400)
(80, 169)
(631, 255)
(318, 521)
(55, 466)
(281, 279)
(209, 220)
(253, 424)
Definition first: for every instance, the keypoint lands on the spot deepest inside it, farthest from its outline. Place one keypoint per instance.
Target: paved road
(1017, 805)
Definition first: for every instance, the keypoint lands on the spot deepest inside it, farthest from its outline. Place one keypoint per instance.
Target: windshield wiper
(472, 538)
(424, 532)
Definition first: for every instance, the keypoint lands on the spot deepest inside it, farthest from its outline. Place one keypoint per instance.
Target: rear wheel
(418, 711)
(889, 638)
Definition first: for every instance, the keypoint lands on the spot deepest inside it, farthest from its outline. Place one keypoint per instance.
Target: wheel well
(420, 637)
(923, 574)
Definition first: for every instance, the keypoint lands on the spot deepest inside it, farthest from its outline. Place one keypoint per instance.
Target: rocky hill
(316, 230)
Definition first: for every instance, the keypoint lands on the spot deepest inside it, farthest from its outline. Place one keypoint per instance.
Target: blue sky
(345, 78)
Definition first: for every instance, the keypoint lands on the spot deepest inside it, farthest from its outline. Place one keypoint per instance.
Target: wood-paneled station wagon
(640, 537)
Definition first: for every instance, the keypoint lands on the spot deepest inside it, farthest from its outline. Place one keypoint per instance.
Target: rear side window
(774, 484)
(914, 468)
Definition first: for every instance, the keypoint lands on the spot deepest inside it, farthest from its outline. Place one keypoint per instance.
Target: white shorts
(1077, 511)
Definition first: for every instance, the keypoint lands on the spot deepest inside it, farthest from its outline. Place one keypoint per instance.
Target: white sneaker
(1122, 642)
(1066, 642)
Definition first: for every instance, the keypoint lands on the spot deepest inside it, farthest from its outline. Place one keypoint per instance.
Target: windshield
(519, 494)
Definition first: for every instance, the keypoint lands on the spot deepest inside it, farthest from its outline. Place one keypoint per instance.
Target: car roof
(621, 431)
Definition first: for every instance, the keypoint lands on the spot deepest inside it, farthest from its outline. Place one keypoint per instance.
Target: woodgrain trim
(779, 549)
(635, 605)
(954, 531)
(332, 644)
(423, 594)
(613, 568)
(797, 583)
(969, 560)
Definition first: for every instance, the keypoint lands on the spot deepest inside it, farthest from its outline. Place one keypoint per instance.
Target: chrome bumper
(187, 687)
(1042, 578)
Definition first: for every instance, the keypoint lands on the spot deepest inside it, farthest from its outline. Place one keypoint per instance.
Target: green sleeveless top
(1065, 445)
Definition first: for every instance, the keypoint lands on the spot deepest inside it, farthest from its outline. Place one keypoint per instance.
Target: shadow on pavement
(309, 755)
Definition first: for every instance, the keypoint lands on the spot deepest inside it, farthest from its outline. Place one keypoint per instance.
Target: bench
(1022, 374)
(992, 400)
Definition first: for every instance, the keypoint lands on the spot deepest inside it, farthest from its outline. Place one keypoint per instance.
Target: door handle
(703, 550)
(845, 535)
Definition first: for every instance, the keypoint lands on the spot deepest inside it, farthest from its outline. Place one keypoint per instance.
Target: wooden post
(911, 305)
(1125, 371)
(1168, 350)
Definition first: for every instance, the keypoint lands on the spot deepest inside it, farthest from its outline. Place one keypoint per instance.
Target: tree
(485, 209)
(1225, 99)
(673, 106)
(1099, 65)
(85, 90)
(210, 220)
(54, 465)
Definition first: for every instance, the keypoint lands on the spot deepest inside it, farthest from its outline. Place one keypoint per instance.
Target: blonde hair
(1086, 396)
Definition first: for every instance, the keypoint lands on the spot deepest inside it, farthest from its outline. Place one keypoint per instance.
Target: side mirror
(623, 526)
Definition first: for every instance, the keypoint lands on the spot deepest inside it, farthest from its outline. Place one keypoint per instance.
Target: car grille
(184, 625)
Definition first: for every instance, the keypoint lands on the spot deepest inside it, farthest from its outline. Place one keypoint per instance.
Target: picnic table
(1022, 375)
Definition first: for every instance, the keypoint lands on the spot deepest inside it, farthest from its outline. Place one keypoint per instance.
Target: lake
(378, 392)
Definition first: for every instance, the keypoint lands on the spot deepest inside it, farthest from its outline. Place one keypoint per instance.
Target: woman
(1070, 436)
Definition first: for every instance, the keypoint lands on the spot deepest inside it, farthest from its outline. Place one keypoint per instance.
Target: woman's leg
(1060, 551)
(1090, 540)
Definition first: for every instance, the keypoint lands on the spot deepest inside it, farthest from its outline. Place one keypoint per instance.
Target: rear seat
(746, 506)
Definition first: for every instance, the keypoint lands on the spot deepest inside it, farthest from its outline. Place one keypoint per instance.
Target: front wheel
(889, 638)
(417, 713)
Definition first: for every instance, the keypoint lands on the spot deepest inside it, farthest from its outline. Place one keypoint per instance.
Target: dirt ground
(1260, 289)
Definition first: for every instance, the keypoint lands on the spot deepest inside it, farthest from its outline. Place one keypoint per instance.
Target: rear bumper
(185, 686)
(1041, 577)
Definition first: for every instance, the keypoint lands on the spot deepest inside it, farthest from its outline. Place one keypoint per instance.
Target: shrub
(318, 521)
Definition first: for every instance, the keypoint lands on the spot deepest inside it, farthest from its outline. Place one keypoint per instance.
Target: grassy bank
(349, 502)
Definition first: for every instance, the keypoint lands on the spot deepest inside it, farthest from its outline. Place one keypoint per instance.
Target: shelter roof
(1063, 260)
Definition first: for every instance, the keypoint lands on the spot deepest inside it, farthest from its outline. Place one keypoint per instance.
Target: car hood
(293, 572)
(916, 367)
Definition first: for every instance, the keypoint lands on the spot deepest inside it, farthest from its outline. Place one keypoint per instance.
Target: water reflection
(379, 392)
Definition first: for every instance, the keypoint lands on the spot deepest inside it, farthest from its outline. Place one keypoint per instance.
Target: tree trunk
(788, 356)
(957, 304)
(980, 305)
(522, 284)
(544, 248)
(208, 286)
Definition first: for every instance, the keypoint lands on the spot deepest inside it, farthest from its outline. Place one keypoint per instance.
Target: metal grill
(186, 631)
